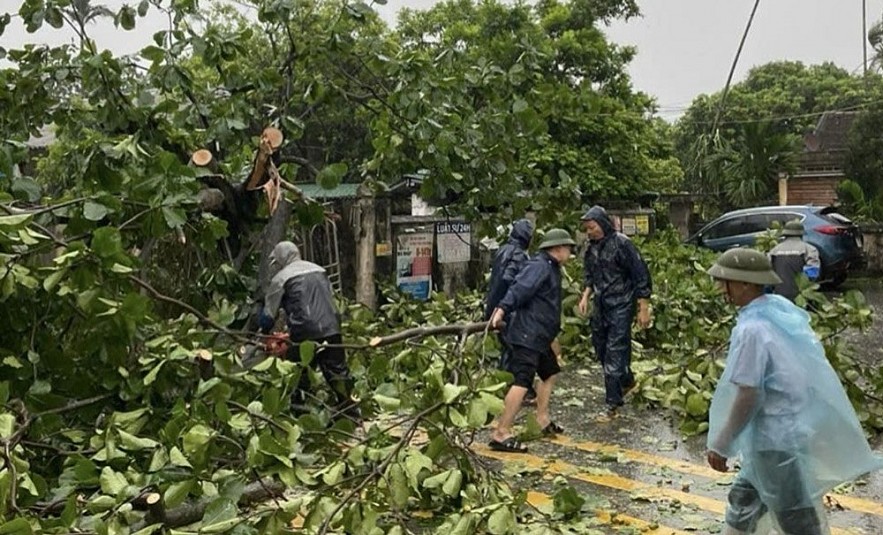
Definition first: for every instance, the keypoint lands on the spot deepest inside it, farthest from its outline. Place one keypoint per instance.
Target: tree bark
(192, 512)
(274, 232)
(366, 236)
(461, 329)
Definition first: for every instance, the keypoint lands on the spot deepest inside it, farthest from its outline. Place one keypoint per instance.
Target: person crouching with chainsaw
(303, 290)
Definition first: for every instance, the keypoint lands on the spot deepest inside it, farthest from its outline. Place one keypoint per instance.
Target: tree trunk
(275, 232)
(366, 234)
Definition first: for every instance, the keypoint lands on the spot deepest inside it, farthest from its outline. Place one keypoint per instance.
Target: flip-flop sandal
(552, 429)
(510, 445)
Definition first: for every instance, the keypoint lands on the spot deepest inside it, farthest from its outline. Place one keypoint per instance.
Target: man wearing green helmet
(533, 304)
(780, 407)
(792, 257)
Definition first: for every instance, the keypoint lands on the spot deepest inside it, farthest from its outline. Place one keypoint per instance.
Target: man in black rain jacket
(618, 278)
(509, 260)
(303, 290)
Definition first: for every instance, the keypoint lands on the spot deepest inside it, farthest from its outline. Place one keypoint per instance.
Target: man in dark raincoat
(303, 290)
(532, 307)
(618, 279)
(509, 260)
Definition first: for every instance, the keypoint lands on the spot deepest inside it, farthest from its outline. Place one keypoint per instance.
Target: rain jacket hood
(522, 233)
(599, 215)
(800, 415)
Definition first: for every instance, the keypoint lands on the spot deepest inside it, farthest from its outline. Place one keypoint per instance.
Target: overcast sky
(685, 47)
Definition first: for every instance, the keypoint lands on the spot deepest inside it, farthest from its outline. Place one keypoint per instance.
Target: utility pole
(865, 35)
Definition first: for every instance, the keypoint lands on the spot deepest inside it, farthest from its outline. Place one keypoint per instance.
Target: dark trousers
(506, 363)
(612, 340)
(795, 512)
(331, 361)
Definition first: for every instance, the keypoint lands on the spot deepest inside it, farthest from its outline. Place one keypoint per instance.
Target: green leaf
(196, 439)
(567, 501)
(177, 493)
(143, 7)
(16, 526)
(7, 425)
(331, 175)
(334, 473)
(453, 483)
(177, 458)
(175, 217)
(697, 405)
(14, 220)
(501, 521)
(132, 443)
(416, 462)
(94, 211)
(387, 403)
(107, 242)
(219, 510)
(126, 18)
(26, 188)
(112, 483)
(519, 105)
(451, 392)
(437, 480)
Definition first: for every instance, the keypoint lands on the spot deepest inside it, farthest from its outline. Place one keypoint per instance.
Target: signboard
(454, 242)
(383, 248)
(643, 224)
(414, 264)
(628, 226)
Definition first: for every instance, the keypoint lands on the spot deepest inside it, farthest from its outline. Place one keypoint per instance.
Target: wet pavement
(639, 475)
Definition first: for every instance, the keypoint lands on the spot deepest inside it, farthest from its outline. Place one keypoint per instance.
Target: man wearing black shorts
(534, 304)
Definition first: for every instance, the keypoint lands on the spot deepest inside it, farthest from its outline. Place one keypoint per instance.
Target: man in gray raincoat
(791, 258)
(303, 290)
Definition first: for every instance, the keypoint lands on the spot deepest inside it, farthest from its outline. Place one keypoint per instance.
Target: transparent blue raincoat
(780, 407)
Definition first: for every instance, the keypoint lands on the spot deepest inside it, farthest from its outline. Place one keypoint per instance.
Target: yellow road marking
(538, 499)
(651, 492)
(848, 502)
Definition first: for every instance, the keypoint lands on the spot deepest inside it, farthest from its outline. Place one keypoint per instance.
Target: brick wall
(821, 191)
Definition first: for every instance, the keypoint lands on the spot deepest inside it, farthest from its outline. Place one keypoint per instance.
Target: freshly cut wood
(191, 512)
(202, 158)
(258, 174)
(274, 137)
(460, 329)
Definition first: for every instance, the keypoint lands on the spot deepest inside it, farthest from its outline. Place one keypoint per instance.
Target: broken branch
(460, 329)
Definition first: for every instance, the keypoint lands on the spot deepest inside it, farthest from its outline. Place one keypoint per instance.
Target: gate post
(366, 236)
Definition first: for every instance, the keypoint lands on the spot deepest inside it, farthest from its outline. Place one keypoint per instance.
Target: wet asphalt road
(640, 466)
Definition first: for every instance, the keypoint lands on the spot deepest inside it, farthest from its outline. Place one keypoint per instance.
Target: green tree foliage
(789, 95)
(863, 192)
(747, 168)
(125, 403)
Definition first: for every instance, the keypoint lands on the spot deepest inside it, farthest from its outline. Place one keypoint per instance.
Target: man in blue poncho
(508, 261)
(780, 407)
(618, 279)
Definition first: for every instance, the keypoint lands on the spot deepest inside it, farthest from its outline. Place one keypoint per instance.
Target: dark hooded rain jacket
(508, 261)
(614, 269)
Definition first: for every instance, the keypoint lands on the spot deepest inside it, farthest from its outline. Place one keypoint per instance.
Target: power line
(723, 101)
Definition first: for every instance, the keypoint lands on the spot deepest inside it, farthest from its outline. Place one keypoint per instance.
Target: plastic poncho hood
(801, 416)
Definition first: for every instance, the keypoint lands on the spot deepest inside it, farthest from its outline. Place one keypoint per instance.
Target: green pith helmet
(745, 265)
(793, 228)
(556, 237)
